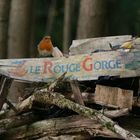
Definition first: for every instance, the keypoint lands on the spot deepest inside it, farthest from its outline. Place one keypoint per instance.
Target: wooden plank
(5, 85)
(10, 105)
(114, 96)
(136, 43)
(79, 67)
(84, 46)
(76, 91)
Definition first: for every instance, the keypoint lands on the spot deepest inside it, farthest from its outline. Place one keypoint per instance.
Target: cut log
(90, 45)
(114, 96)
(60, 126)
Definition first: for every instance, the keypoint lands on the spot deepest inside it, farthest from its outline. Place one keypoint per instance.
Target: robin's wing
(56, 52)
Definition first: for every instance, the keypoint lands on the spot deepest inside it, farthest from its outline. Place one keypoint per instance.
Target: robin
(46, 48)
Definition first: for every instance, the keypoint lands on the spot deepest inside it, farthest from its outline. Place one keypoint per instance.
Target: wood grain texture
(114, 96)
(60, 126)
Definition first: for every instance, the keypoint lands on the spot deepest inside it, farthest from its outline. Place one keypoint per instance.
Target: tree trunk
(33, 48)
(51, 16)
(92, 17)
(19, 36)
(68, 10)
(19, 28)
(4, 18)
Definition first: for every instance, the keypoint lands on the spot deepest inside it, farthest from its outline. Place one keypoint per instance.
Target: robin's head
(47, 37)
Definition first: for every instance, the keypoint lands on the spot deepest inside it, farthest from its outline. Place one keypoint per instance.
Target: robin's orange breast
(46, 45)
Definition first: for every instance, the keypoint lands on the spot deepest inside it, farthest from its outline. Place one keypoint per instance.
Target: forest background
(23, 23)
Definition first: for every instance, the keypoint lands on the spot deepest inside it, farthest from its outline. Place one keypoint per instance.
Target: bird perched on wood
(46, 48)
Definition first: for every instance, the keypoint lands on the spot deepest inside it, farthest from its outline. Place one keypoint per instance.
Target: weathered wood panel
(136, 43)
(84, 46)
(79, 67)
(114, 96)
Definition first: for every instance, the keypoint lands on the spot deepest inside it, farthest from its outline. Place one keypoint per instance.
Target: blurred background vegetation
(23, 23)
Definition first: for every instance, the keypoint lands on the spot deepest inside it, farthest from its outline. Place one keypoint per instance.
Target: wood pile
(68, 108)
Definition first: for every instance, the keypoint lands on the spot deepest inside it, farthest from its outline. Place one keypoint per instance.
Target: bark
(68, 11)
(60, 126)
(92, 17)
(66, 137)
(4, 19)
(59, 100)
(16, 121)
(7, 114)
